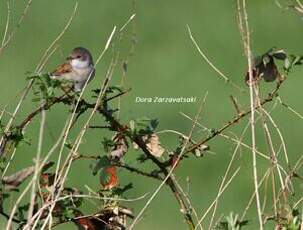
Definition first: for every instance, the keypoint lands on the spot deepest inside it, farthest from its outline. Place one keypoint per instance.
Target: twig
(45, 106)
(17, 202)
(167, 177)
(3, 140)
(10, 36)
(234, 101)
(53, 202)
(23, 124)
(254, 194)
(99, 127)
(38, 156)
(228, 138)
(130, 53)
(210, 63)
(138, 171)
(289, 108)
(252, 108)
(7, 23)
(127, 22)
(39, 67)
(44, 56)
(234, 121)
(190, 205)
(117, 95)
(225, 176)
(219, 195)
(7, 217)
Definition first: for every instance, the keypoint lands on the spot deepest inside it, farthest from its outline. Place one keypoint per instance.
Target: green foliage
(292, 222)
(120, 191)
(101, 163)
(114, 89)
(22, 211)
(143, 126)
(109, 90)
(82, 107)
(17, 137)
(232, 222)
(46, 86)
(108, 144)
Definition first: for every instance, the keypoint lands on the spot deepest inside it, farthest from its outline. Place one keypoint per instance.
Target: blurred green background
(165, 63)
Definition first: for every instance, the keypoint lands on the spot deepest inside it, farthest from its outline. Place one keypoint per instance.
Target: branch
(138, 140)
(122, 165)
(234, 121)
(138, 171)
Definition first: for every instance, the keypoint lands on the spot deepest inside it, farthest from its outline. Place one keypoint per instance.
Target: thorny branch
(235, 120)
(115, 125)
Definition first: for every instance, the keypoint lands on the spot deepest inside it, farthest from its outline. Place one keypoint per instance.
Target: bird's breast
(81, 74)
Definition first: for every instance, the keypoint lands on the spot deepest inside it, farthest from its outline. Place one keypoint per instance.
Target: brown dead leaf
(120, 147)
(153, 145)
(264, 68)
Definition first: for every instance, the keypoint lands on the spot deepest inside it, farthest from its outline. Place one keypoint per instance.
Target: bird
(78, 68)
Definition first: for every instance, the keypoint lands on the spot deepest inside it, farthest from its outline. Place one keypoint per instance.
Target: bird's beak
(69, 58)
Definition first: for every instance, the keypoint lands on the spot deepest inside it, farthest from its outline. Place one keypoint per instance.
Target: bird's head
(80, 58)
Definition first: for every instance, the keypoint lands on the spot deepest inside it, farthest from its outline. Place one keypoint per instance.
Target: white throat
(78, 64)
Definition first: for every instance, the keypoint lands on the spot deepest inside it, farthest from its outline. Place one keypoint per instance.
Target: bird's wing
(62, 69)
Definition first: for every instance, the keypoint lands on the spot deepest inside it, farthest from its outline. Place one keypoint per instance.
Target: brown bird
(78, 68)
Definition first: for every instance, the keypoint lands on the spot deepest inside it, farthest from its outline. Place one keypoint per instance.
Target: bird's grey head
(80, 58)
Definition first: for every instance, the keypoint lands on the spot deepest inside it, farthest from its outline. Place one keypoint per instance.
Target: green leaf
(154, 124)
(144, 125)
(17, 137)
(223, 225)
(37, 76)
(101, 163)
(120, 191)
(68, 213)
(114, 88)
(143, 122)
(232, 222)
(108, 144)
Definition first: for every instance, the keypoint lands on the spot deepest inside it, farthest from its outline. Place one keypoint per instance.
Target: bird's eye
(79, 56)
